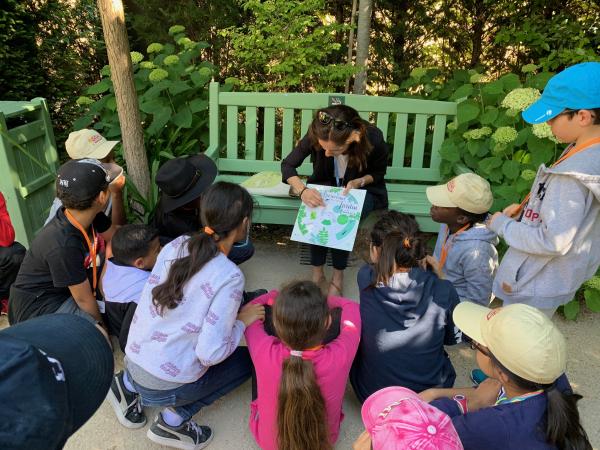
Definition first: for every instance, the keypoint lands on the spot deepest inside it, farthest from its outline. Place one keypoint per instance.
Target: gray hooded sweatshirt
(471, 262)
(555, 246)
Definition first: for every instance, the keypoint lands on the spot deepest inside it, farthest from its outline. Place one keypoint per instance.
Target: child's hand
(485, 394)
(117, 184)
(512, 210)
(312, 198)
(429, 395)
(250, 313)
(432, 263)
(363, 442)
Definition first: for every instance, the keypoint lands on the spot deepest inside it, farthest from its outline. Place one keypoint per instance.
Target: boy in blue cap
(554, 234)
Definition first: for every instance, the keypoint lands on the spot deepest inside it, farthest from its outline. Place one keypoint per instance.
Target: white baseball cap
(521, 337)
(88, 144)
(468, 192)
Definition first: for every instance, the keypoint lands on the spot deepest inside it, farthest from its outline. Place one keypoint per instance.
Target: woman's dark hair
(223, 208)
(563, 427)
(132, 241)
(300, 317)
(357, 151)
(400, 244)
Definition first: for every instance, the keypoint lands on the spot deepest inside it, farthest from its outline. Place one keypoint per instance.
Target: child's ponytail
(223, 208)
(400, 244)
(301, 418)
(563, 428)
(300, 317)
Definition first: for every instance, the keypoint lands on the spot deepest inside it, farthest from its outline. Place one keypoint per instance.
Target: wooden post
(365, 9)
(121, 69)
(351, 42)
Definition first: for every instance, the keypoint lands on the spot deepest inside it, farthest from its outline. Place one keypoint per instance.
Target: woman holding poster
(347, 151)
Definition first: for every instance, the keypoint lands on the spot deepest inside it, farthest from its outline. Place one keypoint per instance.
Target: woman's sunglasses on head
(325, 119)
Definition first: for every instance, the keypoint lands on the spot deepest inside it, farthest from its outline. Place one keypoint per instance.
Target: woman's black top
(323, 166)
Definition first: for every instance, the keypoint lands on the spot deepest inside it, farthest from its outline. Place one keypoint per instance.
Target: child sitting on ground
(134, 248)
(554, 235)
(465, 249)
(527, 403)
(301, 381)
(183, 348)
(406, 314)
(62, 266)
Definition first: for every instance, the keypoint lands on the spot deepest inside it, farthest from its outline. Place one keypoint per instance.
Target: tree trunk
(365, 9)
(121, 69)
(350, 42)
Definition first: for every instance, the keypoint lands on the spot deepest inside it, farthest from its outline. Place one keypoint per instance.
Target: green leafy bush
(172, 86)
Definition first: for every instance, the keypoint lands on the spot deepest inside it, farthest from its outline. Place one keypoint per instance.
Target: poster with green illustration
(333, 225)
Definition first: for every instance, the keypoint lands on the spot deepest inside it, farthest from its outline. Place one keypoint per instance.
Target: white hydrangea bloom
(520, 98)
(477, 133)
(505, 135)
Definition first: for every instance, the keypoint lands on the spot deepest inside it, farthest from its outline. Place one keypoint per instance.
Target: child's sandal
(338, 290)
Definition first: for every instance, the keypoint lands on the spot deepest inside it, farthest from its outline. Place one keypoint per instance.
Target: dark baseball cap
(86, 178)
(55, 371)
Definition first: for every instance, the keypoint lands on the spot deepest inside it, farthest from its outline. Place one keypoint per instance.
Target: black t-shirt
(58, 258)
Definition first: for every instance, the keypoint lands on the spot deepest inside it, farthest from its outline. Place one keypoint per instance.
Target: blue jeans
(190, 398)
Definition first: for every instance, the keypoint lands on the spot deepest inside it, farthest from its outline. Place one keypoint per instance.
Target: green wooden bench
(251, 132)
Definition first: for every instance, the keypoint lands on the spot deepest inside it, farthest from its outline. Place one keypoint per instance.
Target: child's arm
(7, 232)
(483, 396)
(561, 215)
(221, 331)
(85, 299)
(350, 326)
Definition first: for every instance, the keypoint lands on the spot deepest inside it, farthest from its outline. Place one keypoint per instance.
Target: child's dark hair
(223, 208)
(131, 242)
(594, 111)
(400, 244)
(71, 201)
(474, 218)
(357, 151)
(300, 317)
(563, 427)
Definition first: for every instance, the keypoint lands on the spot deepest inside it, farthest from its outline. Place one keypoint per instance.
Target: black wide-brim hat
(184, 179)
(47, 396)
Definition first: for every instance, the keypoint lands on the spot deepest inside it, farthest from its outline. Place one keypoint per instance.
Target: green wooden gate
(28, 163)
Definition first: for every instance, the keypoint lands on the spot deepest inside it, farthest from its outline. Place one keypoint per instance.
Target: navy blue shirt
(509, 426)
(405, 326)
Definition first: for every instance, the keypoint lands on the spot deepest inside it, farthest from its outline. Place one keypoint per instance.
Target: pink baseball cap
(397, 418)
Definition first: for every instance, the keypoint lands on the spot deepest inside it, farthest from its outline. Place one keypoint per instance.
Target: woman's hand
(354, 184)
(312, 197)
(250, 313)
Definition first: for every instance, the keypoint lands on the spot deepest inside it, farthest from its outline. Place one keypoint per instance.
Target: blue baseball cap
(576, 87)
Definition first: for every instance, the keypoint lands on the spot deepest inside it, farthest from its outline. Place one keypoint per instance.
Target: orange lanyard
(571, 152)
(444, 252)
(91, 247)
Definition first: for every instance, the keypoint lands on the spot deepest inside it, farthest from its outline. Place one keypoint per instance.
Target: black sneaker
(188, 436)
(127, 404)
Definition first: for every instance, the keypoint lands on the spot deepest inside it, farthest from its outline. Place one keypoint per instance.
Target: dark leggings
(339, 258)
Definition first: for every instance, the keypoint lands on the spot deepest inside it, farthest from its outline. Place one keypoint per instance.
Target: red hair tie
(209, 231)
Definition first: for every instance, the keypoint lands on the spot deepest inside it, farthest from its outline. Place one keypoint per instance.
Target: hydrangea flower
(504, 135)
(393, 88)
(232, 80)
(451, 126)
(170, 60)
(520, 98)
(83, 100)
(155, 47)
(205, 71)
(136, 57)
(147, 65)
(478, 133)
(176, 29)
(529, 68)
(157, 75)
(477, 78)
(186, 42)
(542, 131)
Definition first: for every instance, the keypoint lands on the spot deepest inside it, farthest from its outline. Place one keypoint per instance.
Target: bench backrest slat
(400, 140)
(269, 142)
(232, 131)
(250, 147)
(418, 148)
(382, 122)
(439, 134)
(287, 133)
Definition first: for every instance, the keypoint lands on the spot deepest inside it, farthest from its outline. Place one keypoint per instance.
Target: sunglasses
(325, 119)
(479, 348)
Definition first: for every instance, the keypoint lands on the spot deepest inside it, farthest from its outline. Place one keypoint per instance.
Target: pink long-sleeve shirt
(331, 364)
